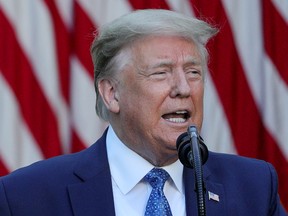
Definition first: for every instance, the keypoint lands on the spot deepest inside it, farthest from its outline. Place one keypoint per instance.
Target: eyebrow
(169, 63)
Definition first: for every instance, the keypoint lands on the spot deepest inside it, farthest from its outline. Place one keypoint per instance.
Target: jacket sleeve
(4, 206)
(276, 209)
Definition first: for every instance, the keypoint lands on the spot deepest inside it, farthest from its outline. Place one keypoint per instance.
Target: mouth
(180, 116)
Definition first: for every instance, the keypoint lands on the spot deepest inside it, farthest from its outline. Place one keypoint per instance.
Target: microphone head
(184, 149)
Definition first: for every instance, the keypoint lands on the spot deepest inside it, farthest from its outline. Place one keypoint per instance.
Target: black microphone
(193, 153)
(184, 149)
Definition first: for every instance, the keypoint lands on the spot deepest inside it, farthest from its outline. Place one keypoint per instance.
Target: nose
(180, 85)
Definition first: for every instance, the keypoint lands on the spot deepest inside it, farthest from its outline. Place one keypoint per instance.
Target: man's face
(160, 94)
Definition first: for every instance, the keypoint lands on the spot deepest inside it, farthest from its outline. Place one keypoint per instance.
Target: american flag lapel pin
(213, 196)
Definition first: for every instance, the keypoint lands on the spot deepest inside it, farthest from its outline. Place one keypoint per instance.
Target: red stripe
(63, 47)
(3, 169)
(77, 144)
(63, 41)
(250, 136)
(34, 107)
(83, 36)
(275, 31)
(143, 4)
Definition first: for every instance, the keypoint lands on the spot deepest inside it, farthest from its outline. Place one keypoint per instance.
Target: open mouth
(180, 116)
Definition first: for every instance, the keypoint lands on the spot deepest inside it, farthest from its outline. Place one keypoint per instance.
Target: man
(149, 70)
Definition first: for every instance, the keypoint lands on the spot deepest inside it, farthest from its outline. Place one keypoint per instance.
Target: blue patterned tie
(157, 204)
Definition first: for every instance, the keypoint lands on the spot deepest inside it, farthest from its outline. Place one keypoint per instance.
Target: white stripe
(85, 120)
(87, 124)
(215, 130)
(183, 7)
(17, 146)
(268, 89)
(275, 105)
(34, 29)
(65, 8)
(282, 7)
(102, 12)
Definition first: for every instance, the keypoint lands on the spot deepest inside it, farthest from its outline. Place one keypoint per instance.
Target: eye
(159, 74)
(193, 73)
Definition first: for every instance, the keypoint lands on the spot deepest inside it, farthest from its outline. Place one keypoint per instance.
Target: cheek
(134, 100)
(200, 96)
(148, 93)
(145, 104)
(197, 91)
(199, 106)
(197, 98)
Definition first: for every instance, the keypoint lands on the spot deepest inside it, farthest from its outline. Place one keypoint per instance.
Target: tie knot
(157, 177)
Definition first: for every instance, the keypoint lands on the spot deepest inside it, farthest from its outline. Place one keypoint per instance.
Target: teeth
(176, 120)
(181, 112)
(179, 116)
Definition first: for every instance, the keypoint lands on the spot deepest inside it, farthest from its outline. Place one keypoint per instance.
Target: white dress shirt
(130, 191)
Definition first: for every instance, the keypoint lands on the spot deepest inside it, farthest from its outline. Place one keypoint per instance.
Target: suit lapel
(190, 195)
(213, 207)
(93, 195)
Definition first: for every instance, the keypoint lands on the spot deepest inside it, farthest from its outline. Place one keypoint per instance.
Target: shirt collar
(125, 162)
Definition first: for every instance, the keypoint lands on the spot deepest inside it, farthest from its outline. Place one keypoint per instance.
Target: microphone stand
(194, 157)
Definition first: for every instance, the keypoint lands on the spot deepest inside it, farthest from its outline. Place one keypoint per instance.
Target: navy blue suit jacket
(80, 184)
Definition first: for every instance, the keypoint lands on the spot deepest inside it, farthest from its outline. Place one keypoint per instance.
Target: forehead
(165, 48)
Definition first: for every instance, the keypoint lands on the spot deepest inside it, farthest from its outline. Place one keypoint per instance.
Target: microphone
(184, 148)
(193, 153)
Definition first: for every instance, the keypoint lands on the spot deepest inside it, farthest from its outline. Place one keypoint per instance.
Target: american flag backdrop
(47, 96)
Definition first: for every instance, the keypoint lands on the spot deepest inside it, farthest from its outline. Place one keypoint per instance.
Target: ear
(107, 90)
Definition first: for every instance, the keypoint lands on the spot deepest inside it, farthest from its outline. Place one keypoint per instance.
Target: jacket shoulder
(240, 168)
(249, 182)
(58, 167)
